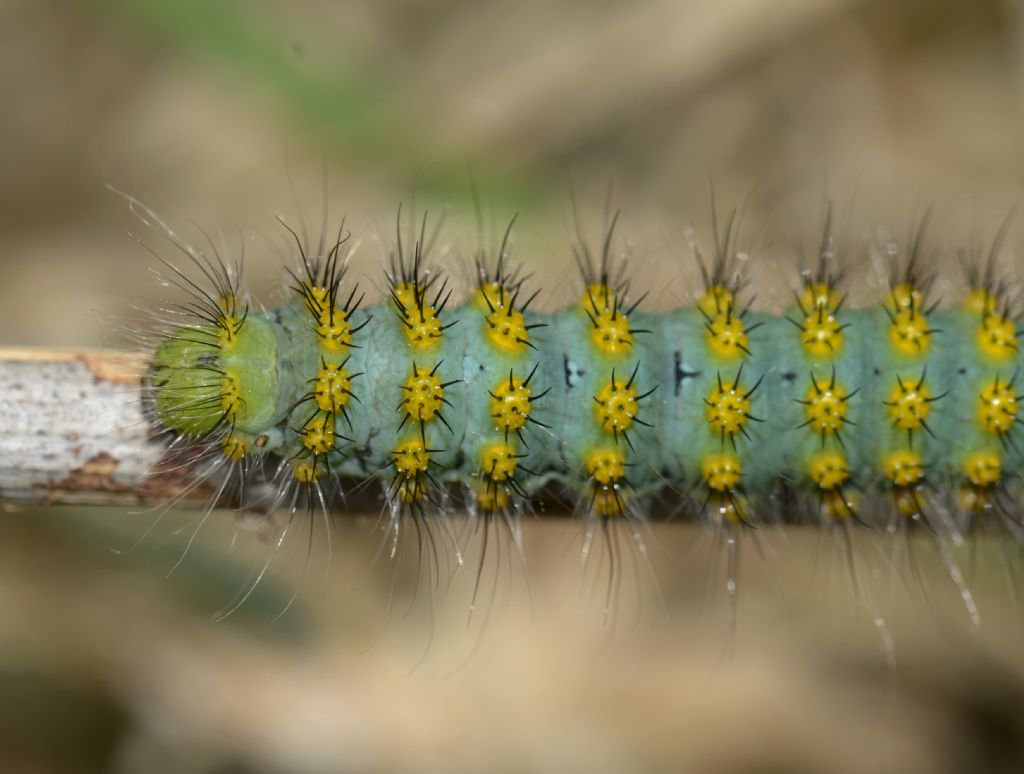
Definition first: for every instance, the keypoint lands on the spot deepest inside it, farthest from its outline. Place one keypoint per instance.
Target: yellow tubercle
(406, 295)
(727, 408)
(821, 334)
(610, 333)
(839, 504)
(505, 326)
(996, 336)
(729, 507)
(826, 407)
(726, 335)
(722, 472)
(506, 329)
(609, 323)
(305, 472)
(227, 332)
(490, 497)
(598, 298)
(615, 407)
(510, 404)
(908, 501)
(983, 468)
(423, 330)
(909, 333)
(419, 319)
(903, 296)
(829, 470)
(903, 467)
(411, 458)
(318, 434)
(607, 469)
(410, 491)
(998, 407)
(491, 296)
(972, 499)
(716, 300)
(979, 301)
(332, 324)
(818, 295)
(235, 447)
(909, 404)
(498, 461)
(231, 402)
(606, 466)
(609, 502)
(332, 389)
(229, 321)
(423, 394)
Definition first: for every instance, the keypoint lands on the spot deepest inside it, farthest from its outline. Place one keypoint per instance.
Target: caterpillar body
(713, 401)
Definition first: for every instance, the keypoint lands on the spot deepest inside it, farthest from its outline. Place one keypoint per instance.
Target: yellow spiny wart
(996, 336)
(490, 497)
(606, 466)
(420, 320)
(818, 295)
(979, 301)
(998, 407)
(903, 467)
(423, 394)
(715, 300)
(904, 295)
(826, 407)
(908, 501)
(505, 326)
(910, 404)
(511, 402)
(609, 502)
(615, 405)
(231, 402)
(318, 434)
(838, 504)
(411, 460)
(828, 470)
(729, 507)
(609, 323)
(305, 472)
(229, 323)
(722, 472)
(491, 295)
(726, 334)
(728, 408)
(983, 468)
(499, 461)
(973, 499)
(406, 295)
(332, 389)
(332, 325)
(235, 447)
(410, 491)
(821, 333)
(909, 332)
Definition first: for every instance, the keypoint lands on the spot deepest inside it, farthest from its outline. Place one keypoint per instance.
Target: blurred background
(222, 114)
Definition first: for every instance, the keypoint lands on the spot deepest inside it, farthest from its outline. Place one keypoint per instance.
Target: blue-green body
(673, 357)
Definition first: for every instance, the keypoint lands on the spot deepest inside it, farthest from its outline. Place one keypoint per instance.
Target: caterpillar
(901, 413)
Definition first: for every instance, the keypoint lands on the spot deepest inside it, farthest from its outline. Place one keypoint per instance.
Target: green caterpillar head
(187, 387)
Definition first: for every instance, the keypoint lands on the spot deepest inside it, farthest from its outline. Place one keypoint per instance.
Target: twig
(72, 429)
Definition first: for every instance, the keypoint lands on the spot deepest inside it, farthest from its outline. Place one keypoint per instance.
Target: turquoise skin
(279, 355)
